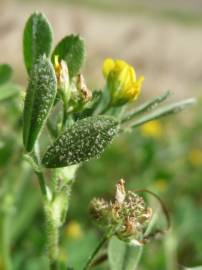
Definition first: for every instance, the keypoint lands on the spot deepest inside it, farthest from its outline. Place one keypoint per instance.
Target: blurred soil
(166, 52)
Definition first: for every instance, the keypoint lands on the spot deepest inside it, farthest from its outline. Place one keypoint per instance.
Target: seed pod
(39, 99)
(84, 140)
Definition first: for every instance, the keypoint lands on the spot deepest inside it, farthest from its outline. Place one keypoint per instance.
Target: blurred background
(162, 40)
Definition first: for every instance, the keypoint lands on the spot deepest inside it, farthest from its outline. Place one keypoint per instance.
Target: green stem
(52, 232)
(39, 173)
(52, 228)
(139, 255)
(65, 114)
(5, 259)
(42, 183)
(106, 108)
(54, 266)
(95, 252)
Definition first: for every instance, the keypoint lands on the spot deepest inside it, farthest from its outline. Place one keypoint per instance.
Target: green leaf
(5, 73)
(147, 106)
(7, 149)
(166, 110)
(8, 90)
(37, 39)
(39, 99)
(72, 50)
(123, 256)
(84, 140)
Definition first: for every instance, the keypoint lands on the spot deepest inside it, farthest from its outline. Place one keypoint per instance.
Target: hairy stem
(52, 227)
(52, 231)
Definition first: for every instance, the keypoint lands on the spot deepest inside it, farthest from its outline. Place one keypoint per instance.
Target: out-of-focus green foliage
(5, 73)
(165, 157)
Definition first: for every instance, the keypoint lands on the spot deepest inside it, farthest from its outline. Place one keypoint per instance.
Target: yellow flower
(73, 230)
(195, 157)
(161, 185)
(152, 129)
(121, 81)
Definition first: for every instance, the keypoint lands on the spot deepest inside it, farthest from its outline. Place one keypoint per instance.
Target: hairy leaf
(40, 96)
(123, 256)
(37, 39)
(84, 140)
(5, 73)
(147, 106)
(193, 268)
(166, 110)
(72, 50)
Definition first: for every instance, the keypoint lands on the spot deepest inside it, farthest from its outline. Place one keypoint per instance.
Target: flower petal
(108, 66)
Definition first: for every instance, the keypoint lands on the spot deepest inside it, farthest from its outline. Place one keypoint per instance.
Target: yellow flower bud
(120, 191)
(62, 73)
(161, 185)
(121, 81)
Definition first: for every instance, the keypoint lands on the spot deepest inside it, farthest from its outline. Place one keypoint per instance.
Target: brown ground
(167, 53)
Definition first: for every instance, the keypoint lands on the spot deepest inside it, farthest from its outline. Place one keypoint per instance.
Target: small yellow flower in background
(152, 129)
(160, 185)
(73, 230)
(121, 81)
(195, 157)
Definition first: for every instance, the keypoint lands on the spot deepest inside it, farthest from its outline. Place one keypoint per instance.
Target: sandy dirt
(168, 54)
